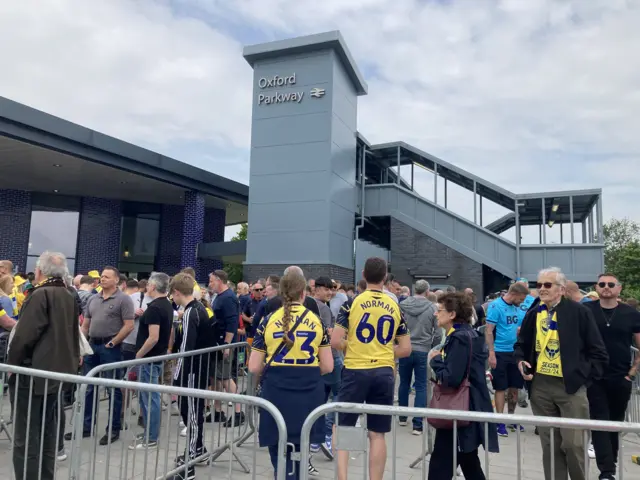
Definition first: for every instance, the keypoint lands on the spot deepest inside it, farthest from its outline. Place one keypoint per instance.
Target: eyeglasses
(546, 285)
(607, 284)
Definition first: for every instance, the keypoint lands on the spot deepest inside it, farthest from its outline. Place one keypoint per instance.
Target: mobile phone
(527, 370)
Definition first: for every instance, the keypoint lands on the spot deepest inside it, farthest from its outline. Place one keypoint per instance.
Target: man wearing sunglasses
(619, 326)
(560, 352)
(251, 307)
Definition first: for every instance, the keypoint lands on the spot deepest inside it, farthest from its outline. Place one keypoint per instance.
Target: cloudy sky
(531, 95)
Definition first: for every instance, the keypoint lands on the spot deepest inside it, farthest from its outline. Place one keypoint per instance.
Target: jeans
(101, 356)
(40, 435)
(150, 373)
(332, 387)
(416, 362)
(292, 471)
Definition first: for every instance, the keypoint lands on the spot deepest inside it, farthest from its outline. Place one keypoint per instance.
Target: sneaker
(327, 448)
(115, 436)
(313, 471)
(62, 455)
(502, 430)
(175, 411)
(358, 424)
(416, 432)
(69, 436)
(141, 443)
(235, 421)
(200, 452)
(182, 425)
(402, 421)
(217, 417)
(459, 472)
(184, 474)
(183, 432)
(606, 476)
(513, 427)
(523, 404)
(314, 447)
(591, 452)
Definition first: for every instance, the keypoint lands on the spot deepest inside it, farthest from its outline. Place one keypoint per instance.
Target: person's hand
(139, 312)
(81, 361)
(226, 353)
(521, 366)
(492, 360)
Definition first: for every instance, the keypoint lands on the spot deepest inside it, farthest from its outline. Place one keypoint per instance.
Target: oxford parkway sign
(269, 96)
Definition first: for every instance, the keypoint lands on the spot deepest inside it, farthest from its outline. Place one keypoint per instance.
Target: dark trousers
(192, 412)
(292, 471)
(608, 400)
(549, 399)
(416, 363)
(42, 407)
(441, 461)
(102, 355)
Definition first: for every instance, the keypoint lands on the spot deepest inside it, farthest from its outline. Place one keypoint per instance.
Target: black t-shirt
(159, 312)
(482, 315)
(617, 326)
(276, 302)
(226, 313)
(249, 310)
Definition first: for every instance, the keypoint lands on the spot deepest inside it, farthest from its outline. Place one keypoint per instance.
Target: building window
(54, 227)
(139, 243)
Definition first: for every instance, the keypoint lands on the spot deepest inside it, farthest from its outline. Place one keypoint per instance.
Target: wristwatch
(110, 344)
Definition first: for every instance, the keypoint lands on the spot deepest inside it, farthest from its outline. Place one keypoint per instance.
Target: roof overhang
(36, 128)
(308, 44)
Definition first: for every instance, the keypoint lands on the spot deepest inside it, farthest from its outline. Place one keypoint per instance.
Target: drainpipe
(358, 227)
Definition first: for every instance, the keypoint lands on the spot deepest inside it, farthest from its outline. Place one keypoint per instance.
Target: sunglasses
(258, 289)
(546, 285)
(607, 284)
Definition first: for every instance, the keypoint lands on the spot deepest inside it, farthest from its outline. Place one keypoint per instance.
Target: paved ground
(101, 462)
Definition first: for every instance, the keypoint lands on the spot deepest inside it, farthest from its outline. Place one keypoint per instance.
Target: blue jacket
(451, 371)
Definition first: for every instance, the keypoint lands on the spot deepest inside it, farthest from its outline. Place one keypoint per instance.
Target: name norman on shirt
(378, 303)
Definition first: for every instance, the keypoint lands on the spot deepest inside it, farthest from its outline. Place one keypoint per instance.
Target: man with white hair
(560, 352)
(275, 303)
(45, 338)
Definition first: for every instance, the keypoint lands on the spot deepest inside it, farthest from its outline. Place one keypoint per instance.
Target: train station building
(320, 195)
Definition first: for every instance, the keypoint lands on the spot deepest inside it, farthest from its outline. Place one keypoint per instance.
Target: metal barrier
(633, 408)
(218, 372)
(42, 413)
(354, 439)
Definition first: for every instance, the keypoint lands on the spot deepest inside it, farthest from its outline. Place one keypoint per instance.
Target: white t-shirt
(135, 297)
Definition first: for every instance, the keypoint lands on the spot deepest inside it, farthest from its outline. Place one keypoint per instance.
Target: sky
(537, 95)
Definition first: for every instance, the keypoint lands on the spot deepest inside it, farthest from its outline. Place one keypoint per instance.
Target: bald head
(292, 269)
(573, 291)
(76, 281)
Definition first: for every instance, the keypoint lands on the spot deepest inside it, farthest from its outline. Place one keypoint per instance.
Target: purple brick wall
(214, 223)
(170, 239)
(192, 230)
(15, 222)
(99, 234)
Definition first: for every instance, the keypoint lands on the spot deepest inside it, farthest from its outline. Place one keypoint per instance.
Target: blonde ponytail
(292, 286)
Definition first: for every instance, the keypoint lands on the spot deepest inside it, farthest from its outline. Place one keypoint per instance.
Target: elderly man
(46, 338)
(421, 317)
(560, 352)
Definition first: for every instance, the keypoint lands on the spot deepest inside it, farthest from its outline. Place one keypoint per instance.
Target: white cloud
(533, 96)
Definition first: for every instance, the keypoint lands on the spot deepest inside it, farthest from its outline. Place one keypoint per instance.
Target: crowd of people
(317, 340)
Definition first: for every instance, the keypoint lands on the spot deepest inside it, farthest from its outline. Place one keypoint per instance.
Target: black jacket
(582, 351)
(452, 370)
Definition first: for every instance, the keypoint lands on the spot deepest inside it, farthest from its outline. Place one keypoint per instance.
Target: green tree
(622, 253)
(234, 270)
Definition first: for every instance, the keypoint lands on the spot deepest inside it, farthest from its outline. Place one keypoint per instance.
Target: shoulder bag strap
(470, 355)
(283, 344)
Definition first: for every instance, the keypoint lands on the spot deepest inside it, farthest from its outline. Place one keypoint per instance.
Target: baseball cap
(94, 274)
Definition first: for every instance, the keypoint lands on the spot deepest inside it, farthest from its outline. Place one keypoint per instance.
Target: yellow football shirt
(309, 337)
(372, 321)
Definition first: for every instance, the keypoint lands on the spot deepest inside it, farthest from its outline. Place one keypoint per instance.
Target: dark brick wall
(192, 230)
(253, 272)
(413, 250)
(170, 239)
(99, 234)
(214, 223)
(15, 222)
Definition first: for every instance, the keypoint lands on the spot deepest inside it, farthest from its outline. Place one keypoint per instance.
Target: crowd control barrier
(354, 439)
(29, 406)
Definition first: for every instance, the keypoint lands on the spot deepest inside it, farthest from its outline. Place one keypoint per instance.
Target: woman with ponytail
(291, 350)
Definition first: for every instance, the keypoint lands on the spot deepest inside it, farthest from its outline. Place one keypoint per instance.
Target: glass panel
(54, 231)
(139, 240)
(31, 264)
